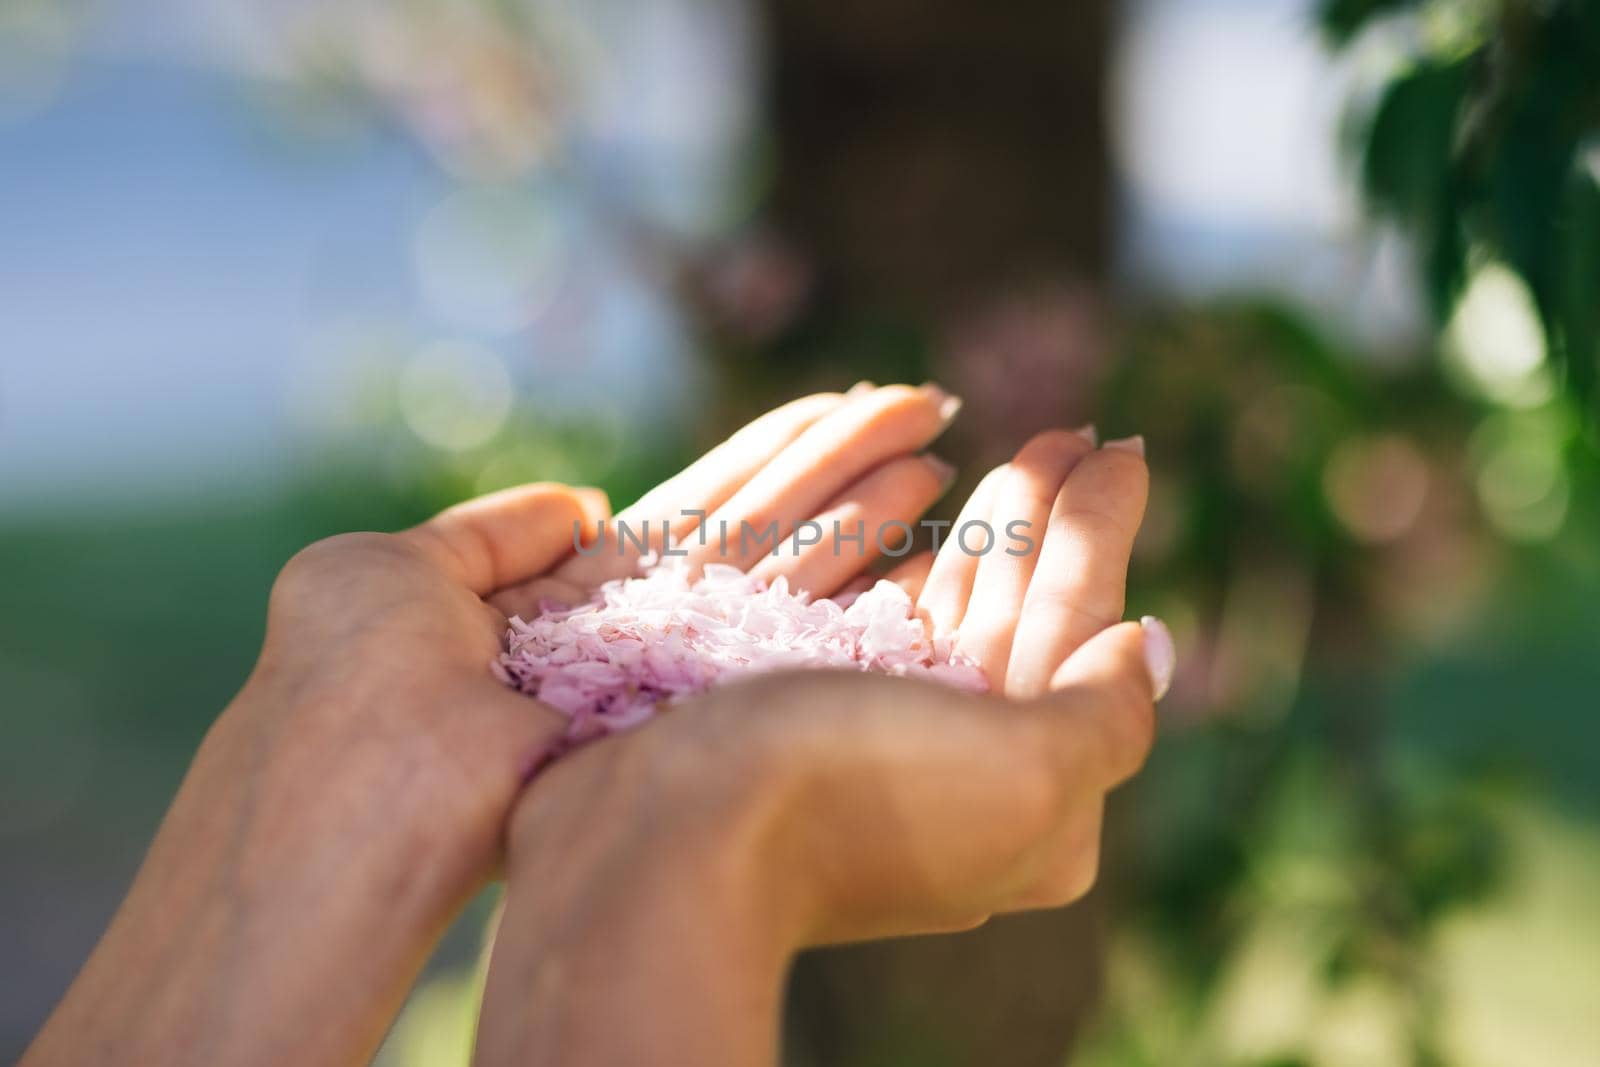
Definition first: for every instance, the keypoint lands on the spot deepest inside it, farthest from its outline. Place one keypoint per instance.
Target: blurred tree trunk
(929, 154)
(947, 164)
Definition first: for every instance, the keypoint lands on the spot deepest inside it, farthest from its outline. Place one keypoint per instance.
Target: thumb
(1105, 694)
(510, 536)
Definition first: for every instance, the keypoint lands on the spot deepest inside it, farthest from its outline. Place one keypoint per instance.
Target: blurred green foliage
(1485, 143)
(1377, 730)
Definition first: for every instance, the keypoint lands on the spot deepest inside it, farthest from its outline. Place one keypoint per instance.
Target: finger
(507, 537)
(912, 574)
(703, 486)
(833, 453)
(1098, 723)
(1080, 584)
(1022, 503)
(530, 598)
(870, 518)
(949, 585)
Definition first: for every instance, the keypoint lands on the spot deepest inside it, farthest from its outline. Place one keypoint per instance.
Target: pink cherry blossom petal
(642, 643)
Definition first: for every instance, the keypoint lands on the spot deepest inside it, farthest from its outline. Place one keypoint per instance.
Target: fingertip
(505, 537)
(1043, 465)
(927, 401)
(1131, 445)
(1108, 482)
(1057, 444)
(1121, 458)
(947, 404)
(596, 502)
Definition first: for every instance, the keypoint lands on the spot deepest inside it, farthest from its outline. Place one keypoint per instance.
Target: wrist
(676, 927)
(635, 813)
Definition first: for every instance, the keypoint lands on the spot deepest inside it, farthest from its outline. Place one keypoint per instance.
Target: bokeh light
(455, 395)
(1496, 338)
(492, 258)
(1522, 482)
(1377, 486)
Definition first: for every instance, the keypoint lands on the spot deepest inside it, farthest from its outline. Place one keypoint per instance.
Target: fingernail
(861, 387)
(1088, 433)
(944, 471)
(948, 403)
(1134, 444)
(1160, 654)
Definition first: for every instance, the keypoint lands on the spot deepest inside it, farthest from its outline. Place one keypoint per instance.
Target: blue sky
(163, 255)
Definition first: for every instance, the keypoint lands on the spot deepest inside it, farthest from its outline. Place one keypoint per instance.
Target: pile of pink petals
(647, 641)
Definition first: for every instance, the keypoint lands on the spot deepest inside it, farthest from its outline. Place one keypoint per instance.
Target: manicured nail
(945, 472)
(1089, 433)
(948, 404)
(861, 387)
(1160, 654)
(1134, 444)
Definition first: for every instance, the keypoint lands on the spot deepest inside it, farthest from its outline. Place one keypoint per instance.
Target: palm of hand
(382, 643)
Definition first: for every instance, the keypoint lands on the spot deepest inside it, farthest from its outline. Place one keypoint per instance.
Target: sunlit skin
(660, 882)
(357, 791)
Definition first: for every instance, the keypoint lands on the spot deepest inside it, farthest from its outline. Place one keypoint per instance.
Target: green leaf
(1409, 170)
(1411, 143)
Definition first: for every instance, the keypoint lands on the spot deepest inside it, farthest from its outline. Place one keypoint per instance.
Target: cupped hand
(1068, 717)
(1030, 582)
(354, 794)
(374, 672)
(390, 635)
(809, 808)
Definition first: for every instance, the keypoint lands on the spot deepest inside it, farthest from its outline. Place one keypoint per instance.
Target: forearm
(279, 919)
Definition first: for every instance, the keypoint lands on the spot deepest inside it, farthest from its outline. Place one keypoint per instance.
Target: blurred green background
(269, 271)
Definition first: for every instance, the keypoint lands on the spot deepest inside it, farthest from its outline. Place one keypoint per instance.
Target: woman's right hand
(677, 868)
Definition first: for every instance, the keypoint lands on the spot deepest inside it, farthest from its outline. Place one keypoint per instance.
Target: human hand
(339, 811)
(796, 810)
(849, 458)
(353, 795)
(1018, 613)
